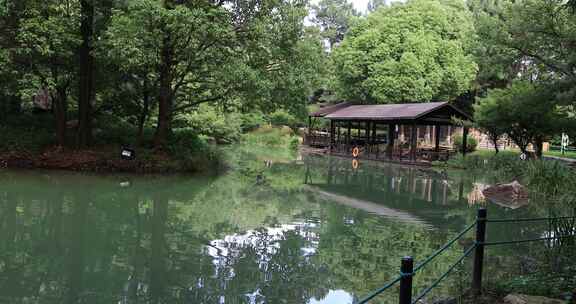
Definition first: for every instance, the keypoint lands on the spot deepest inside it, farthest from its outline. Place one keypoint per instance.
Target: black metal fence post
(406, 268)
(479, 251)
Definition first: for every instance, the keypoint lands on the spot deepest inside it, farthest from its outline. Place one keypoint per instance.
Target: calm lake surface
(304, 230)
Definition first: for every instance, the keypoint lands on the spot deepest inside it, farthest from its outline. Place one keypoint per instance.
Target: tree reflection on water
(306, 235)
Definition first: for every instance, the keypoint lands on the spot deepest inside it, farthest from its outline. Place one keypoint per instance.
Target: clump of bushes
(283, 118)
(26, 132)
(193, 152)
(252, 121)
(271, 136)
(471, 143)
(207, 121)
(110, 129)
(542, 176)
(294, 143)
(16, 139)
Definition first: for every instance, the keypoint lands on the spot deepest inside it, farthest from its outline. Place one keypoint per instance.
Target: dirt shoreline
(99, 159)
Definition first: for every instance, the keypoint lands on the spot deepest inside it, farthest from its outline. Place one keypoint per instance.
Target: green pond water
(269, 230)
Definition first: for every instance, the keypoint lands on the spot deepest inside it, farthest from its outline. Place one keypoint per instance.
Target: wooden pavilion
(400, 132)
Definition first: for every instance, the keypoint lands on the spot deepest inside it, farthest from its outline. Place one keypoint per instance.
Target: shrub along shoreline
(187, 151)
(33, 148)
(547, 177)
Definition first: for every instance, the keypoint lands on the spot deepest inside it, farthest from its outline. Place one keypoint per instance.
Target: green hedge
(471, 145)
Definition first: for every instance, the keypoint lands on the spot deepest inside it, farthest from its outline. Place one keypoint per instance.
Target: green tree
(375, 4)
(231, 56)
(528, 112)
(191, 46)
(413, 52)
(541, 35)
(46, 46)
(117, 60)
(86, 73)
(11, 14)
(333, 17)
(488, 119)
(298, 76)
(498, 65)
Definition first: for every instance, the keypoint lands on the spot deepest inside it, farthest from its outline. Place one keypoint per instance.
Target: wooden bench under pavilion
(401, 132)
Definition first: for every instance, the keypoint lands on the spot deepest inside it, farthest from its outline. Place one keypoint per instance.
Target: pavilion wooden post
(368, 131)
(413, 142)
(349, 139)
(332, 135)
(390, 147)
(373, 140)
(309, 125)
(437, 138)
(464, 140)
(338, 137)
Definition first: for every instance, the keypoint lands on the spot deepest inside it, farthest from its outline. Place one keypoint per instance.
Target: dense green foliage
(334, 17)
(525, 56)
(471, 143)
(156, 65)
(415, 52)
(527, 113)
(548, 180)
(115, 72)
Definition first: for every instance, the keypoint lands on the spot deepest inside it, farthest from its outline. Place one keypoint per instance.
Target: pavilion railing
(377, 149)
(408, 271)
(381, 152)
(317, 140)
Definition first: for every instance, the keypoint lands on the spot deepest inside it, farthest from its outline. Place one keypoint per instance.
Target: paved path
(569, 161)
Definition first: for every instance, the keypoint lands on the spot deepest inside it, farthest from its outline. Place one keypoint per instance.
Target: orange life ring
(355, 152)
(355, 164)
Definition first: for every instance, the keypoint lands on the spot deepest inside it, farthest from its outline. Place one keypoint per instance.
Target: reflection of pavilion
(407, 193)
(367, 206)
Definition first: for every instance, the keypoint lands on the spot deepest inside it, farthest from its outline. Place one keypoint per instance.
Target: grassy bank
(32, 146)
(516, 153)
(567, 154)
(553, 179)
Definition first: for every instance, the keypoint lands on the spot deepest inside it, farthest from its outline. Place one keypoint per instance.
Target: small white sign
(565, 140)
(125, 184)
(523, 156)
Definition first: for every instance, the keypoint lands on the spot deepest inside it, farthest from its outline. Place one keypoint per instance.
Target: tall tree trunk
(145, 110)
(164, 126)
(495, 142)
(60, 107)
(86, 75)
(538, 147)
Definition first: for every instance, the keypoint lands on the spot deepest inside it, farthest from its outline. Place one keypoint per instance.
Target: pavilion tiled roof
(406, 111)
(329, 109)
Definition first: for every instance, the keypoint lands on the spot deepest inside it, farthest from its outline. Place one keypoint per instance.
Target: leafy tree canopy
(529, 37)
(413, 52)
(334, 17)
(375, 4)
(527, 112)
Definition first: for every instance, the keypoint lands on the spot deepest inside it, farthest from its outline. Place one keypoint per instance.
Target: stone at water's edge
(512, 195)
(525, 299)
